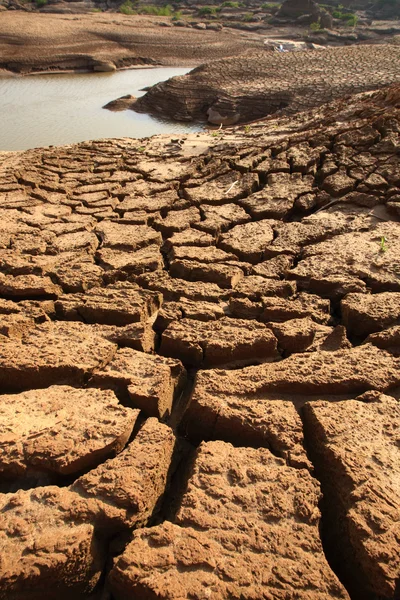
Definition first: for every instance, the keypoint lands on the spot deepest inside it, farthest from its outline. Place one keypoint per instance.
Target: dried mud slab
(124, 491)
(246, 421)
(348, 262)
(119, 304)
(47, 551)
(126, 237)
(118, 263)
(53, 540)
(355, 446)
(147, 382)
(344, 371)
(277, 309)
(236, 498)
(52, 353)
(369, 313)
(224, 275)
(388, 339)
(187, 309)
(248, 241)
(224, 342)
(175, 288)
(27, 287)
(304, 335)
(60, 431)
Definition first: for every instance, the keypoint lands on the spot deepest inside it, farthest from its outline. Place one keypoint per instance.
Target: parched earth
(200, 363)
(32, 42)
(258, 84)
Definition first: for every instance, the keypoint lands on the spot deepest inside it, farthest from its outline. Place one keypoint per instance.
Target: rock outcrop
(306, 12)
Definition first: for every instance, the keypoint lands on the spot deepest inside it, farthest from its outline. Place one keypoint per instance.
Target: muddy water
(44, 110)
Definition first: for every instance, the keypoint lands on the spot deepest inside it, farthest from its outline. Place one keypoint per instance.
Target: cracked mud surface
(255, 85)
(200, 363)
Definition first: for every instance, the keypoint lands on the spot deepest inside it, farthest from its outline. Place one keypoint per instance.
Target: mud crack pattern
(200, 363)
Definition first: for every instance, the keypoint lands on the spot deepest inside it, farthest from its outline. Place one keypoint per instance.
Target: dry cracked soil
(200, 363)
(257, 84)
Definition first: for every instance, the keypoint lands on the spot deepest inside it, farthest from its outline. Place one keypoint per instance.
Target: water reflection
(46, 110)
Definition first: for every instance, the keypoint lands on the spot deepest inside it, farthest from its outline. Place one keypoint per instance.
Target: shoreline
(38, 43)
(10, 74)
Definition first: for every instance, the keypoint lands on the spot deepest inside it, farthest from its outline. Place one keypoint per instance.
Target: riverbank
(32, 42)
(256, 85)
(67, 108)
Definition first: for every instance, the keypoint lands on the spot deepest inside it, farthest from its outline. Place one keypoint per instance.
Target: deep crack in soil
(199, 352)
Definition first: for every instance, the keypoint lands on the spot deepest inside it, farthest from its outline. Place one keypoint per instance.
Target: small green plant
(205, 11)
(127, 8)
(247, 128)
(348, 18)
(316, 25)
(230, 4)
(40, 3)
(247, 17)
(158, 11)
(383, 244)
(352, 21)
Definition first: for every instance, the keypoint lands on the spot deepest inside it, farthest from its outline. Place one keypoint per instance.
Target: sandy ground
(46, 42)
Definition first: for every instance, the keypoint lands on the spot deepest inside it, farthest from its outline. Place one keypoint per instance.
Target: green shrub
(316, 26)
(352, 21)
(127, 8)
(158, 11)
(40, 3)
(207, 10)
(230, 4)
(348, 18)
(247, 17)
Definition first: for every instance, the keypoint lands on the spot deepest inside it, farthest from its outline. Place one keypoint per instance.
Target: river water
(44, 110)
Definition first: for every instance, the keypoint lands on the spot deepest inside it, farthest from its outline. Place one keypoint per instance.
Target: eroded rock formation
(254, 86)
(200, 363)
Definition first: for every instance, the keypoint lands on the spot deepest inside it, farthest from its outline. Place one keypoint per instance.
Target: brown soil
(254, 86)
(31, 42)
(200, 363)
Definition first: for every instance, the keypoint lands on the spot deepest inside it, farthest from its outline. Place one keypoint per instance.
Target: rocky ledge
(200, 363)
(255, 85)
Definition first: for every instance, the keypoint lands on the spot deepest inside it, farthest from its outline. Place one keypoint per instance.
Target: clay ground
(200, 363)
(45, 42)
(258, 84)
